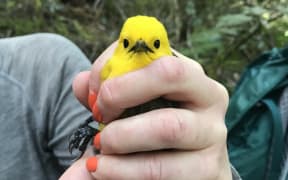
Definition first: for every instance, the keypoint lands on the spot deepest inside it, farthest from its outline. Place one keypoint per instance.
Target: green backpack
(255, 136)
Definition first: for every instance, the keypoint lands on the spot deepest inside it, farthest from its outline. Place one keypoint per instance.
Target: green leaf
(230, 31)
(205, 41)
(190, 8)
(81, 30)
(10, 4)
(233, 20)
(38, 4)
(256, 10)
(282, 9)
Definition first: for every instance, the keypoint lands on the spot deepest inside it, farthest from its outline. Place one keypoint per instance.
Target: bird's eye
(157, 43)
(125, 43)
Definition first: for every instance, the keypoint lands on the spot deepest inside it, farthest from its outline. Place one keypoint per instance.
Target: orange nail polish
(96, 113)
(97, 142)
(92, 99)
(91, 164)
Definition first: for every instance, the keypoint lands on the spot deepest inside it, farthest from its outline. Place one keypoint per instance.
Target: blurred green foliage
(223, 35)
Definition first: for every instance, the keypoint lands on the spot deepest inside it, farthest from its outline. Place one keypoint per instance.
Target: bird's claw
(82, 136)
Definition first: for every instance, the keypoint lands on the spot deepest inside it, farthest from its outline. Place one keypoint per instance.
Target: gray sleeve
(283, 105)
(45, 64)
(67, 113)
(235, 174)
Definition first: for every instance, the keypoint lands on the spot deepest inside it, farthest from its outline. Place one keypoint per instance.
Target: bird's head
(144, 36)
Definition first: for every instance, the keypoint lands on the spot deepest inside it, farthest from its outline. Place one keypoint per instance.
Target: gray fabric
(38, 111)
(283, 104)
(235, 174)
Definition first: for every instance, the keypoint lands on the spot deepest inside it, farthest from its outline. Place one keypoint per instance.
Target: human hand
(184, 143)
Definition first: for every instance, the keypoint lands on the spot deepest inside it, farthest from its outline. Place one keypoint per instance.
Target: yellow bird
(142, 40)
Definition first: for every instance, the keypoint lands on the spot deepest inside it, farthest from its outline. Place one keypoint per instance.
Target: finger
(94, 81)
(161, 165)
(77, 171)
(161, 129)
(174, 78)
(80, 87)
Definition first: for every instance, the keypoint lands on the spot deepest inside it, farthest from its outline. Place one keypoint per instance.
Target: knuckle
(171, 70)
(211, 160)
(153, 168)
(170, 127)
(223, 94)
(212, 171)
(221, 131)
(197, 67)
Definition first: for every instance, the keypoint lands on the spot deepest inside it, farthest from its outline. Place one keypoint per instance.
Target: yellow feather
(135, 29)
(140, 32)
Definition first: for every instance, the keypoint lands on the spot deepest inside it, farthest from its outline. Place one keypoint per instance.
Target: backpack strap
(277, 153)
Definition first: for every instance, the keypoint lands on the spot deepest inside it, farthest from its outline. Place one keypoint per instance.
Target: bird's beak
(140, 46)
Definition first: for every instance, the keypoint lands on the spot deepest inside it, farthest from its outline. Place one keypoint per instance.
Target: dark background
(223, 35)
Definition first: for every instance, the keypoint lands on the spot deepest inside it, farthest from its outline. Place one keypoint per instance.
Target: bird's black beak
(140, 46)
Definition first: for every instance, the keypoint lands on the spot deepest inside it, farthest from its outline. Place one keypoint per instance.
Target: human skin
(184, 143)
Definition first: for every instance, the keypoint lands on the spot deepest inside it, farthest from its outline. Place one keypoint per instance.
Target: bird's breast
(124, 64)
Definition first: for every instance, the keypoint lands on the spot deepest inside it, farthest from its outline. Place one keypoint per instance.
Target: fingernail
(97, 141)
(92, 99)
(91, 164)
(96, 113)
